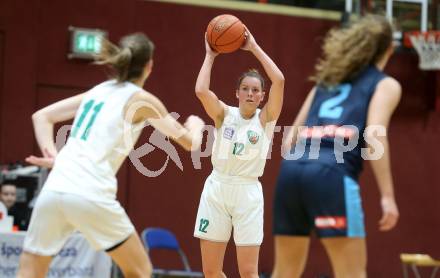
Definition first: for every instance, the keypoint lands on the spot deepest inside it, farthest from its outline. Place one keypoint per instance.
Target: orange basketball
(225, 33)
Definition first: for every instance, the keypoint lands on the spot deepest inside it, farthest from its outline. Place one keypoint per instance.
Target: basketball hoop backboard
(406, 15)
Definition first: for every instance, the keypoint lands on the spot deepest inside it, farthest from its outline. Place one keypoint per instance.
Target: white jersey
(98, 144)
(241, 145)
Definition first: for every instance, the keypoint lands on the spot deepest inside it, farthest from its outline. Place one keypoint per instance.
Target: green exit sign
(85, 43)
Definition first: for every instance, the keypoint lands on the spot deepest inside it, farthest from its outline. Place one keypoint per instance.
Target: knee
(286, 273)
(137, 274)
(33, 266)
(23, 273)
(148, 270)
(144, 271)
(357, 273)
(212, 273)
(351, 272)
(248, 272)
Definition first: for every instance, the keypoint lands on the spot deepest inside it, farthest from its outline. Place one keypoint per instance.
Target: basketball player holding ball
(232, 197)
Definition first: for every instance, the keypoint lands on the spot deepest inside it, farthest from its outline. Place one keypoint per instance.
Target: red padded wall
(36, 72)
(1, 84)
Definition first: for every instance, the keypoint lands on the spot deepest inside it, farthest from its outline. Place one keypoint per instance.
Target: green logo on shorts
(203, 225)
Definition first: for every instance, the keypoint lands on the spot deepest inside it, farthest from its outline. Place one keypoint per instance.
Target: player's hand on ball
(249, 42)
(209, 50)
(46, 161)
(390, 214)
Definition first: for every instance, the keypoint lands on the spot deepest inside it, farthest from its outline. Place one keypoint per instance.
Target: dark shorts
(315, 196)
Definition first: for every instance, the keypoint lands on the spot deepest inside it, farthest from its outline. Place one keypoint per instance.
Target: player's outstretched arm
(382, 105)
(44, 120)
(144, 106)
(214, 107)
(271, 111)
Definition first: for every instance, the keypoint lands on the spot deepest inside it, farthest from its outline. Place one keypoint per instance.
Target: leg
(41, 240)
(348, 256)
(334, 204)
(104, 224)
(213, 226)
(213, 254)
(247, 257)
(290, 256)
(33, 266)
(132, 258)
(292, 225)
(248, 222)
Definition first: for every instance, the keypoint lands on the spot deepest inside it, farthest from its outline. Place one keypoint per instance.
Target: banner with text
(76, 260)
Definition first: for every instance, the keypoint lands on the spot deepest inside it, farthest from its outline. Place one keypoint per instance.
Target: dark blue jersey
(335, 125)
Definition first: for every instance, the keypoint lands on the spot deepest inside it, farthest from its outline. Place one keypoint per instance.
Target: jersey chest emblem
(228, 133)
(253, 137)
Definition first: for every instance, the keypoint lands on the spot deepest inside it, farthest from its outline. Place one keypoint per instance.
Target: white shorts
(56, 215)
(228, 203)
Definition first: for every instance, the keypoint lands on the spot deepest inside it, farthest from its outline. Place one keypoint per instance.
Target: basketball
(225, 33)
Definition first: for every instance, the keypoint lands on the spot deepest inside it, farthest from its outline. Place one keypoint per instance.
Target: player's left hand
(208, 48)
(249, 41)
(46, 161)
(390, 214)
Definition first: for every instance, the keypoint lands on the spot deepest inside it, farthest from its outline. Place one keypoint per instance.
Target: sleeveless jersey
(100, 140)
(241, 145)
(336, 118)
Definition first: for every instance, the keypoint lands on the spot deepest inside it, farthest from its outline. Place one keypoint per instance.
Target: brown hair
(251, 73)
(129, 58)
(347, 51)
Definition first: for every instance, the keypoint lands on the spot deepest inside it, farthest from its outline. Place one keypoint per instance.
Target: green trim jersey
(241, 145)
(100, 140)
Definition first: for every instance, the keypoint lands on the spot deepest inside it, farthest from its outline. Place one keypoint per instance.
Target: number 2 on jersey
(87, 107)
(331, 108)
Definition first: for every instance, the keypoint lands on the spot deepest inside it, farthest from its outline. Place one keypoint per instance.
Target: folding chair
(418, 260)
(158, 238)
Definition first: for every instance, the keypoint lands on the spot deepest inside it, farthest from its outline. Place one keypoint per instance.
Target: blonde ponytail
(129, 59)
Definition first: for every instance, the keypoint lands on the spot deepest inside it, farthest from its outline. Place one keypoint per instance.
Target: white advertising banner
(76, 260)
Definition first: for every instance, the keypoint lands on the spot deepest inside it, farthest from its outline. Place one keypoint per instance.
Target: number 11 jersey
(100, 139)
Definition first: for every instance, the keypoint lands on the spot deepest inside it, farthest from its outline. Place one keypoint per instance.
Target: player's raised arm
(44, 120)
(148, 107)
(272, 109)
(214, 107)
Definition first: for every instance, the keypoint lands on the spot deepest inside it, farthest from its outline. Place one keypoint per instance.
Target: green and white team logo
(253, 137)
